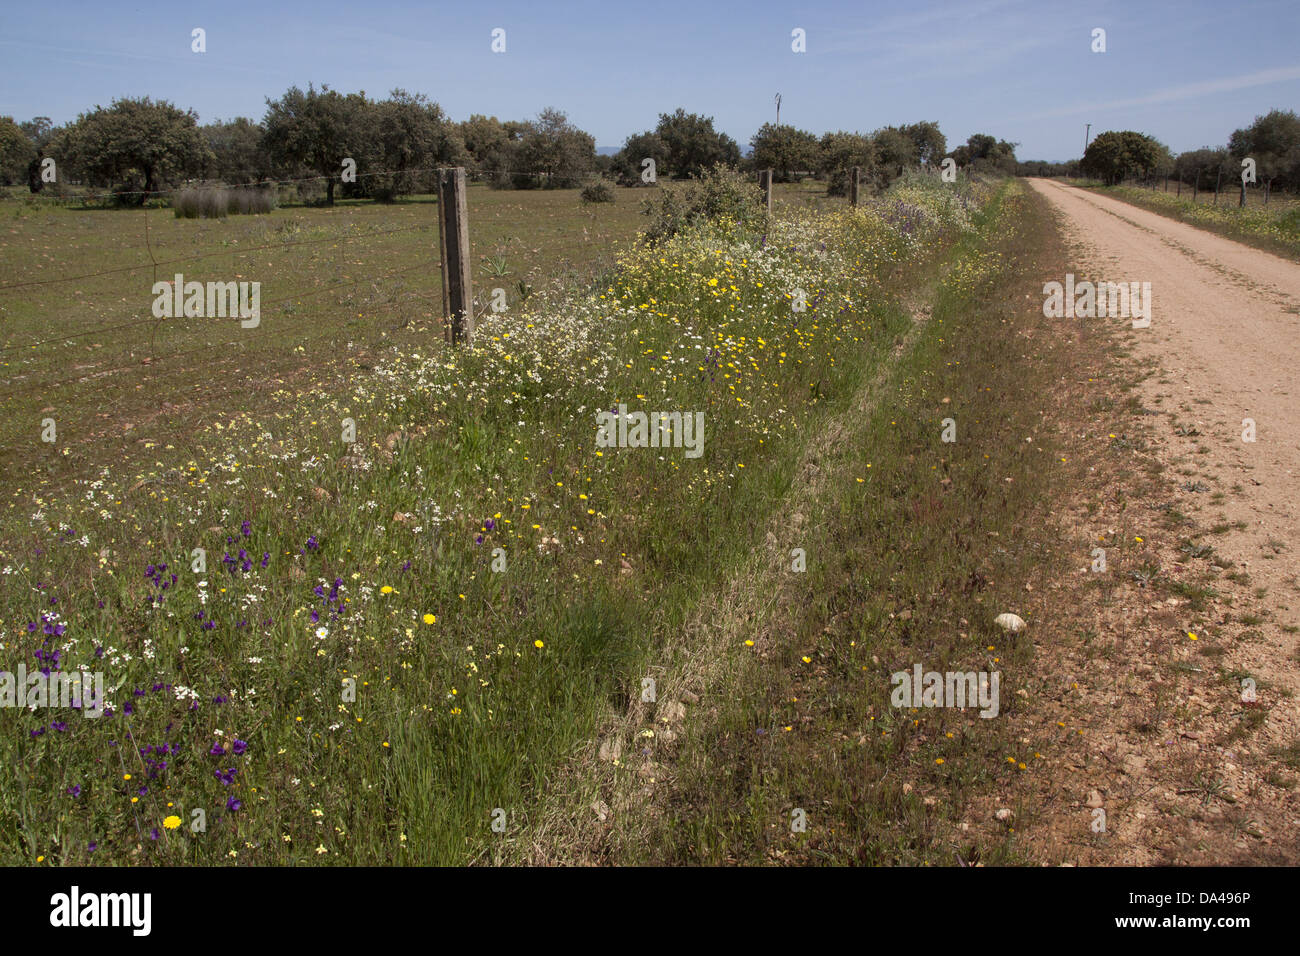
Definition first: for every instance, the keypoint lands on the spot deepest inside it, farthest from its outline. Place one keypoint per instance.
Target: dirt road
(1225, 329)
(1223, 346)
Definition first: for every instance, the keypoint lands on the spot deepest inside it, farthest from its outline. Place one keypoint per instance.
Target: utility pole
(778, 109)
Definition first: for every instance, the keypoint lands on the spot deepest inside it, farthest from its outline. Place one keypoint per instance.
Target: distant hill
(607, 150)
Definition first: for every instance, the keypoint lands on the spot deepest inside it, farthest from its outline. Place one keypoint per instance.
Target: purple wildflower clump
(161, 579)
(48, 659)
(331, 601)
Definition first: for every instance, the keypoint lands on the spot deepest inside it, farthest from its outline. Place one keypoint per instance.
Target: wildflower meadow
(317, 648)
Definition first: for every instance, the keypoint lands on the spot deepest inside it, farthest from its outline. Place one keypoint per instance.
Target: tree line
(137, 147)
(1271, 140)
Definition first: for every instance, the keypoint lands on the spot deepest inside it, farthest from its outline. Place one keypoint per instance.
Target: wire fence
(475, 173)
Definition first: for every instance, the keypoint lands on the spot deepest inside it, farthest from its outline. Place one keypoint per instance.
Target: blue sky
(1188, 73)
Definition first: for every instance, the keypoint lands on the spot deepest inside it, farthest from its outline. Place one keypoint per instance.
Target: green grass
(435, 688)
(794, 668)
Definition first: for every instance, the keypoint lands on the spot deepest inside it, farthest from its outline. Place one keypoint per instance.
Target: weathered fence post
(1241, 203)
(765, 183)
(853, 185)
(457, 279)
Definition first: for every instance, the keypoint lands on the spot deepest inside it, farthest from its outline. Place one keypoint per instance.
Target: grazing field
(394, 642)
(1275, 227)
(336, 284)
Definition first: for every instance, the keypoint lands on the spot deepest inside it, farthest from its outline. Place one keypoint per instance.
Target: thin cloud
(1175, 93)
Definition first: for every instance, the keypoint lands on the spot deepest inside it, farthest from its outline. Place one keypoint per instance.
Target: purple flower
(75, 790)
(216, 750)
(232, 804)
(246, 529)
(239, 747)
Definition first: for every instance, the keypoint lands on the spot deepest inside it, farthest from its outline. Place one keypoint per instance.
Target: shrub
(215, 202)
(1289, 222)
(721, 195)
(598, 190)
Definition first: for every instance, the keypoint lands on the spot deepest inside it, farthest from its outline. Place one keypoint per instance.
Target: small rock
(611, 748)
(1094, 799)
(670, 711)
(1003, 814)
(1010, 622)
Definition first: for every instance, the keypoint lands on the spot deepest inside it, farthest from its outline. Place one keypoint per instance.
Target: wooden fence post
(853, 186)
(457, 278)
(765, 183)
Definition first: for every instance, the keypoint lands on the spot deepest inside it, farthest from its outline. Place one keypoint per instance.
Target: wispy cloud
(1173, 94)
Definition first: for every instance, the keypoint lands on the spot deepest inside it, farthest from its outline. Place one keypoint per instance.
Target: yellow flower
(386, 590)
(172, 822)
(430, 618)
(538, 644)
